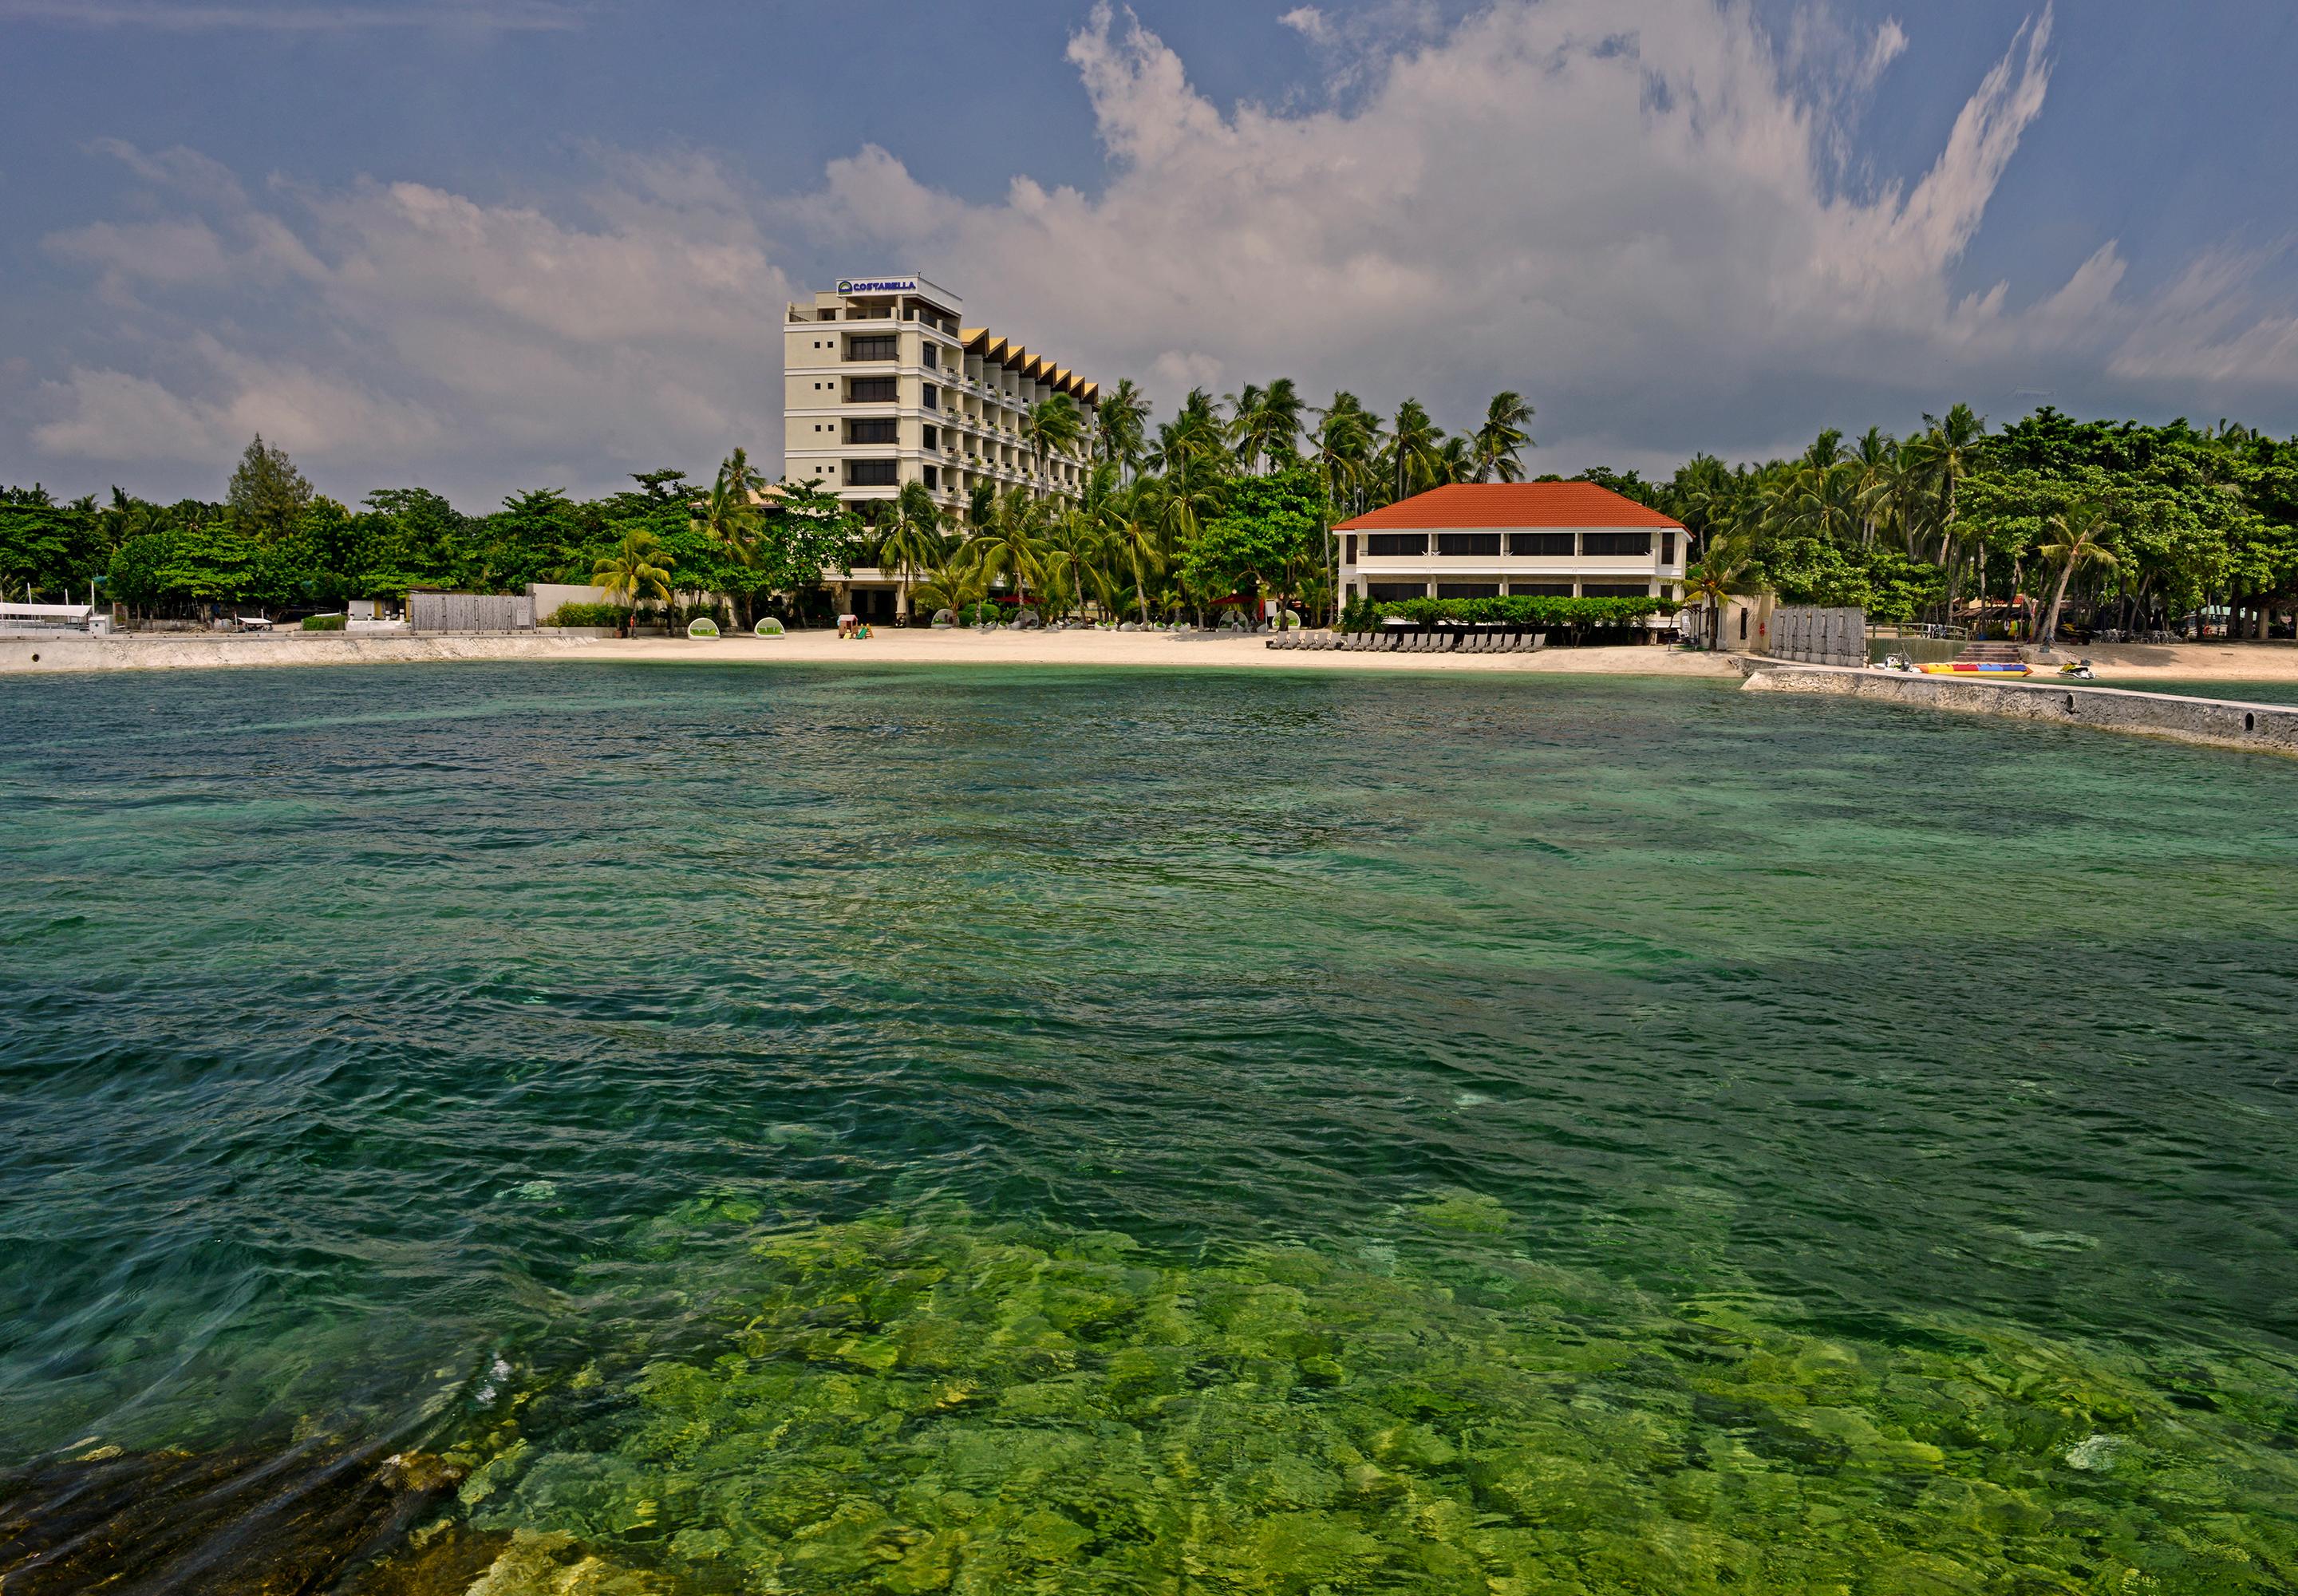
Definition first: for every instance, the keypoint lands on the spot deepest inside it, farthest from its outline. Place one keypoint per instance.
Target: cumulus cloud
(406, 332)
(1633, 210)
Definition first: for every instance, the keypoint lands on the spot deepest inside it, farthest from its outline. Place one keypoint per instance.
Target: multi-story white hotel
(884, 385)
(1493, 540)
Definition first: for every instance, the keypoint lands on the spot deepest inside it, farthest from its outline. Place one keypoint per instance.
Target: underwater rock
(245, 1523)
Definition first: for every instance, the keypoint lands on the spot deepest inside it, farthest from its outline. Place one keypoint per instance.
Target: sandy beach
(2126, 664)
(890, 646)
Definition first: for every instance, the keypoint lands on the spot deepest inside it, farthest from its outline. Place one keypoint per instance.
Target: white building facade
(884, 385)
(1497, 540)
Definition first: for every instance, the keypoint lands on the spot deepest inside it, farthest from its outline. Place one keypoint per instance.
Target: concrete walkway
(2216, 723)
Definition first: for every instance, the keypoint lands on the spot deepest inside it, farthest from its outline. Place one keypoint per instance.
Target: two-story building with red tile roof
(1493, 540)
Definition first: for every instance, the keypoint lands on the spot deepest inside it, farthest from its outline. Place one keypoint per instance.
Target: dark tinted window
(1468, 589)
(872, 474)
(1389, 592)
(1545, 545)
(872, 431)
(1467, 543)
(870, 348)
(870, 390)
(1615, 543)
(1667, 548)
(1539, 589)
(1396, 542)
(1615, 589)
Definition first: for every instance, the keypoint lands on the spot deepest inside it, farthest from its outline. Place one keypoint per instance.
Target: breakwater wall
(168, 650)
(2216, 723)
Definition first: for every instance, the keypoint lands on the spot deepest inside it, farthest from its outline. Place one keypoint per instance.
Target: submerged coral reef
(911, 1404)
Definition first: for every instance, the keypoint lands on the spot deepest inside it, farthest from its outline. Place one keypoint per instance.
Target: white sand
(888, 646)
(2129, 665)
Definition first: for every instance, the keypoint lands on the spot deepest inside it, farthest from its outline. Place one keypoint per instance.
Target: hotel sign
(877, 284)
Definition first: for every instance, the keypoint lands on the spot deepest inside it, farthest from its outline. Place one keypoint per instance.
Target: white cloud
(1632, 211)
(403, 331)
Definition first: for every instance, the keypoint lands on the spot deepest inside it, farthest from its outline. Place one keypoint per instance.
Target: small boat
(2005, 669)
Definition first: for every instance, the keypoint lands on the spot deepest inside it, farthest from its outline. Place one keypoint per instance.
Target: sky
(489, 245)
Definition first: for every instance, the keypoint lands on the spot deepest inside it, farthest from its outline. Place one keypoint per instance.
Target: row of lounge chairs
(1397, 640)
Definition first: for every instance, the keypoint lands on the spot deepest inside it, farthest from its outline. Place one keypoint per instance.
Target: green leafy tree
(268, 495)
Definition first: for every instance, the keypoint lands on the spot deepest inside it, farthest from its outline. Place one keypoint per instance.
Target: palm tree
(1124, 415)
(1723, 573)
(2081, 529)
(1051, 426)
(1502, 438)
(1011, 545)
(637, 569)
(1342, 445)
(1192, 445)
(1133, 544)
(728, 515)
(1416, 451)
(913, 539)
(955, 583)
(1943, 455)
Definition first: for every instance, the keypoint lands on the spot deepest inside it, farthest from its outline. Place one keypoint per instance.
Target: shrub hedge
(1362, 614)
(322, 623)
(588, 615)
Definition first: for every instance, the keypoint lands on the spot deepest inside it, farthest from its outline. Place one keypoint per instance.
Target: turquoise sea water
(912, 1129)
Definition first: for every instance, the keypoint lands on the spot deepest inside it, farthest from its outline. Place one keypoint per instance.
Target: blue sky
(488, 245)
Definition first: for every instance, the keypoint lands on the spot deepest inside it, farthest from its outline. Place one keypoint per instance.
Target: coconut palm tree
(638, 569)
(1502, 438)
(1416, 451)
(954, 582)
(1724, 572)
(1051, 426)
(1013, 544)
(1124, 416)
(2082, 529)
(1342, 445)
(913, 538)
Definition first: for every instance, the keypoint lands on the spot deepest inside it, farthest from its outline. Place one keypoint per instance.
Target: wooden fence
(1810, 635)
(470, 612)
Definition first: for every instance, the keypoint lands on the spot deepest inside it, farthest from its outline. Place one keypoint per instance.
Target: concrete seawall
(67, 652)
(2216, 723)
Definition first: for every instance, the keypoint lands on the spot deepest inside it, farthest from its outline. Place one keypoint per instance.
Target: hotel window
(872, 432)
(1616, 543)
(1390, 592)
(1667, 548)
(932, 397)
(1468, 589)
(933, 438)
(1614, 589)
(870, 348)
(1378, 543)
(870, 390)
(1544, 545)
(932, 358)
(1469, 544)
(933, 476)
(1347, 548)
(1539, 589)
(873, 474)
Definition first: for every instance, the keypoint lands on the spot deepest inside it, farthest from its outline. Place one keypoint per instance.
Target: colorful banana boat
(1976, 668)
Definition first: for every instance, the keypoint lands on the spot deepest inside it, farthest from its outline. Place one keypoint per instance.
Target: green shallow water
(780, 1129)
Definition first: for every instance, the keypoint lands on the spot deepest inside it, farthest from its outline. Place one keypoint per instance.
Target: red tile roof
(1509, 504)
